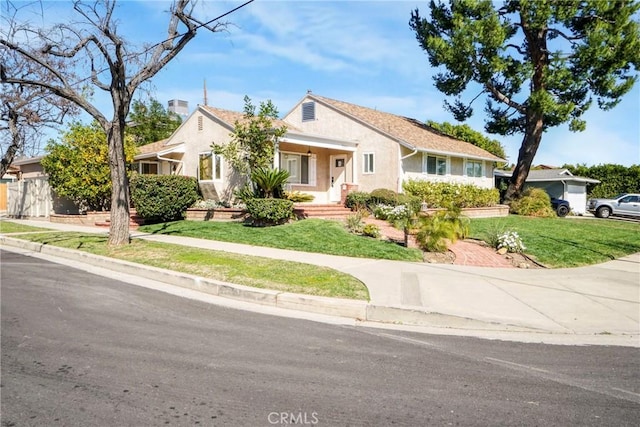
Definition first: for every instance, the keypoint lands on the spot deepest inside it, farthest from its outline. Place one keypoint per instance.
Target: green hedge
(444, 194)
(534, 202)
(269, 211)
(163, 197)
(357, 200)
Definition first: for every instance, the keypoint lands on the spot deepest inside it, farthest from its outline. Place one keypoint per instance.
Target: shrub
(354, 223)
(444, 194)
(163, 197)
(412, 202)
(269, 182)
(269, 211)
(436, 229)
(382, 211)
(298, 197)
(245, 193)
(357, 200)
(534, 202)
(393, 213)
(371, 230)
(511, 241)
(383, 196)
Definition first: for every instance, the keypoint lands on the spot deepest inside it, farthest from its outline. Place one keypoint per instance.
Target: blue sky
(361, 52)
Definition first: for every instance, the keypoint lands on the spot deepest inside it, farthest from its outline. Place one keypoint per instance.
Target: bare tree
(26, 112)
(110, 65)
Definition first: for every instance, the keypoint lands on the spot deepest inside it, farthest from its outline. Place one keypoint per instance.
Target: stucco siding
(330, 123)
(457, 166)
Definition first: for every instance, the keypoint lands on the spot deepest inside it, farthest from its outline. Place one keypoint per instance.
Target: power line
(166, 40)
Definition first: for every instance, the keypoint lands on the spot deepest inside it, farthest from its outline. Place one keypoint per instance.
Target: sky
(362, 52)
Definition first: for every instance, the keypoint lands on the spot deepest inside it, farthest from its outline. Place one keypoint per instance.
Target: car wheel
(562, 210)
(603, 212)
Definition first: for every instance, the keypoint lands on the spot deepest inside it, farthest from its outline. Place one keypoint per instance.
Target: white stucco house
(558, 183)
(329, 146)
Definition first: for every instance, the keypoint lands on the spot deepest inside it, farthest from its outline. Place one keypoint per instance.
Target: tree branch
(499, 96)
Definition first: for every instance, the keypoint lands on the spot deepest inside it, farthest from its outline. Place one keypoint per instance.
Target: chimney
(179, 107)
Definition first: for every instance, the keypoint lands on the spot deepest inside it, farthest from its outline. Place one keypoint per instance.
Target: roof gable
(406, 130)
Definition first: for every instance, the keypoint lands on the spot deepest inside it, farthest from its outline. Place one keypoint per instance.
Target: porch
(317, 166)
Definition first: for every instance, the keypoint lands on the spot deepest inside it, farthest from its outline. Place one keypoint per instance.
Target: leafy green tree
(78, 166)
(465, 133)
(151, 122)
(253, 139)
(539, 63)
(614, 179)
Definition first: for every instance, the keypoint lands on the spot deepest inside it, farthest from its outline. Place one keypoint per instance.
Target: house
(330, 147)
(558, 183)
(30, 195)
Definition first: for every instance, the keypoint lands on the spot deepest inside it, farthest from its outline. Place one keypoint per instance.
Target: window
(210, 167)
(630, 199)
(368, 163)
(308, 111)
(145, 168)
(434, 165)
(474, 168)
(300, 167)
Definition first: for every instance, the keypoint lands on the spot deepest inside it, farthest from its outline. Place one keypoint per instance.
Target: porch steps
(135, 221)
(326, 211)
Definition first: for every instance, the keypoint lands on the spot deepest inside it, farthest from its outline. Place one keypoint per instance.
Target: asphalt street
(82, 349)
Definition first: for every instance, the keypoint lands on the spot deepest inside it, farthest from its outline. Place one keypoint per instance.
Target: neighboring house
(330, 147)
(558, 183)
(30, 195)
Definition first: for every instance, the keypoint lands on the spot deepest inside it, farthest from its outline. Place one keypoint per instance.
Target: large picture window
(474, 168)
(299, 166)
(434, 165)
(210, 167)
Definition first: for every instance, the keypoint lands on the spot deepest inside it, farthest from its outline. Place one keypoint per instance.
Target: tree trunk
(119, 227)
(16, 143)
(528, 149)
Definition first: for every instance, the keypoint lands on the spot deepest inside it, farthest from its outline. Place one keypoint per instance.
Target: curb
(352, 309)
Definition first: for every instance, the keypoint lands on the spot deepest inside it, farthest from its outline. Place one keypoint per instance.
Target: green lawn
(13, 227)
(258, 272)
(566, 242)
(310, 235)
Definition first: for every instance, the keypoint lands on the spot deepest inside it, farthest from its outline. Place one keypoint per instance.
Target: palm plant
(436, 229)
(269, 182)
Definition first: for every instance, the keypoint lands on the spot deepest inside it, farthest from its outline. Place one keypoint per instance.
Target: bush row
(444, 194)
(435, 194)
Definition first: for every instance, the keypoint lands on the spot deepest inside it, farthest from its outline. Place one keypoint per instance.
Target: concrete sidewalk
(600, 300)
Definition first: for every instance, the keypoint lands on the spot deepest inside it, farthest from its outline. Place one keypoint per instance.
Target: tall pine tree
(539, 63)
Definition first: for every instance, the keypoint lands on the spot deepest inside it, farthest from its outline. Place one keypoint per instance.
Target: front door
(338, 176)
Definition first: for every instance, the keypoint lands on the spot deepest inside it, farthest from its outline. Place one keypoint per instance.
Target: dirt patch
(447, 257)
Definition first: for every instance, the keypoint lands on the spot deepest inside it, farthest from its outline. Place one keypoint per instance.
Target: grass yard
(309, 235)
(566, 242)
(13, 227)
(258, 272)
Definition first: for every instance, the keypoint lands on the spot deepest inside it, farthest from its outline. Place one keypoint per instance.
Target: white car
(624, 205)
